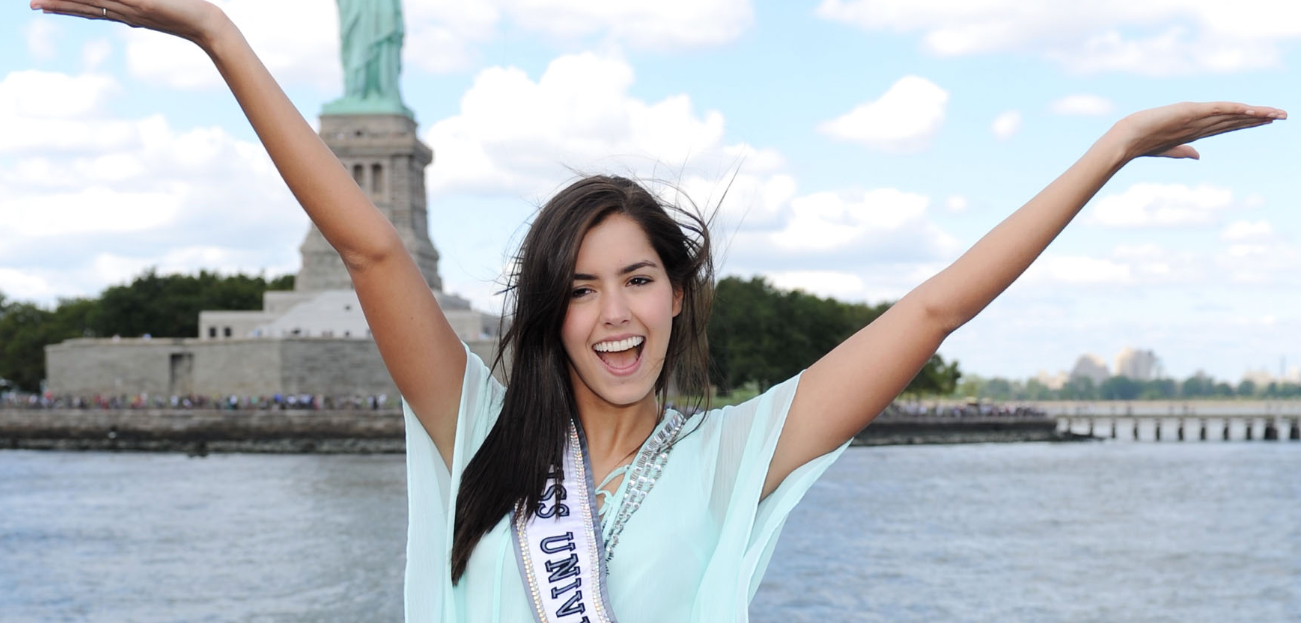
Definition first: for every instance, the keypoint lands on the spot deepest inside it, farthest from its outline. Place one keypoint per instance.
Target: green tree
(1158, 389)
(759, 334)
(997, 389)
(971, 386)
(164, 306)
(169, 305)
(936, 377)
(1079, 388)
(1035, 390)
(1196, 386)
(1247, 388)
(1120, 388)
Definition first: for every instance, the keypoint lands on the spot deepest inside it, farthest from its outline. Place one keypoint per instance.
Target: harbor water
(1033, 532)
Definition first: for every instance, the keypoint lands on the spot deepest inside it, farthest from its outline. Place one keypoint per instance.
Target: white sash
(560, 551)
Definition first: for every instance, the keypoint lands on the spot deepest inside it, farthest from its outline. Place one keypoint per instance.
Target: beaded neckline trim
(646, 470)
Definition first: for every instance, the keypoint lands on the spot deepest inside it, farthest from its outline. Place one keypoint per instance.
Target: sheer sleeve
(743, 440)
(431, 491)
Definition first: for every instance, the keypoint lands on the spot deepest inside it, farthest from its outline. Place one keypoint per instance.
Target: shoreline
(200, 432)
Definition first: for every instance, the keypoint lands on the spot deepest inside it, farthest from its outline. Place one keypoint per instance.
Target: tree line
(763, 335)
(1123, 388)
(758, 335)
(153, 304)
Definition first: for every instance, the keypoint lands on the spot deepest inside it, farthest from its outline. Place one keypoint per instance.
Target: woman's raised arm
(419, 347)
(840, 394)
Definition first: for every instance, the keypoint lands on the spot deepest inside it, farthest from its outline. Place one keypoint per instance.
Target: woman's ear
(677, 301)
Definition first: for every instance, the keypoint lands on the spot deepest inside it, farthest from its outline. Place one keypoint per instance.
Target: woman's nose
(614, 308)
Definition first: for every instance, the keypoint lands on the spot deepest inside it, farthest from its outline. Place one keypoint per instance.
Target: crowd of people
(321, 402)
(918, 409)
(309, 402)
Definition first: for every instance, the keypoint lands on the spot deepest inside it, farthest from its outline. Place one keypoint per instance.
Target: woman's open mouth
(621, 356)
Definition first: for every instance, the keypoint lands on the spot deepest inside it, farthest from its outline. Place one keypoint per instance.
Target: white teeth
(619, 345)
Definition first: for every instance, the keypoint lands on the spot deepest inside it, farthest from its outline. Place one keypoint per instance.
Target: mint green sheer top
(695, 550)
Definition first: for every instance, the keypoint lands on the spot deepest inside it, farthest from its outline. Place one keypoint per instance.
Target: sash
(560, 551)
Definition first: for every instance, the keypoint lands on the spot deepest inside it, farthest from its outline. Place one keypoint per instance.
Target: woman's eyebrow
(626, 269)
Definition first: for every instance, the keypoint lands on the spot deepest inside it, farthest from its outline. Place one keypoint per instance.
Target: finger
(1265, 111)
(1209, 127)
(1187, 151)
(98, 9)
(66, 7)
(1235, 109)
(1182, 151)
(1233, 125)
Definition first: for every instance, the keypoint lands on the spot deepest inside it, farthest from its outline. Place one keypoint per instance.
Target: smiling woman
(574, 493)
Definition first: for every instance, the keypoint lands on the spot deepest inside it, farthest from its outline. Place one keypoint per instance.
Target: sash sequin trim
(560, 553)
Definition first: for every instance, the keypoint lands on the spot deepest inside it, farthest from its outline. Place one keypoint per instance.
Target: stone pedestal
(387, 160)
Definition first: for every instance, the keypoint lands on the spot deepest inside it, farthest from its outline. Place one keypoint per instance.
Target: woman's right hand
(195, 20)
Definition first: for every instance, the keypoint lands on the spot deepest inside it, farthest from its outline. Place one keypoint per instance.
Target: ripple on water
(1195, 533)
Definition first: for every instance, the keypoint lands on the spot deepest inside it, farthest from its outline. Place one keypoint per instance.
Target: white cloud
(1006, 124)
(48, 112)
(825, 283)
(84, 209)
(1078, 269)
(42, 38)
(1171, 52)
(650, 24)
(1247, 231)
(880, 220)
(50, 95)
(517, 136)
(441, 35)
(1162, 205)
(23, 285)
(902, 120)
(1082, 104)
(1261, 261)
(307, 52)
(956, 203)
(92, 210)
(94, 53)
(752, 201)
(1150, 263)
(1154, 38)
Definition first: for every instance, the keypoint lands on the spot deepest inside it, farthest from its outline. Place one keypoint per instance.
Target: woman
(574, 495)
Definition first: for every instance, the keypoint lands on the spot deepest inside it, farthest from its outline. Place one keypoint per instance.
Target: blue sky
(872, 141)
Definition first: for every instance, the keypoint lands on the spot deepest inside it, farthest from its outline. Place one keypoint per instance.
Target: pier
(1179, 421)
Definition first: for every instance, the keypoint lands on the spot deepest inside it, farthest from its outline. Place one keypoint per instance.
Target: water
(1009, 533)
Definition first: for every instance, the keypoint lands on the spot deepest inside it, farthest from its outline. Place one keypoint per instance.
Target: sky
(866, 144)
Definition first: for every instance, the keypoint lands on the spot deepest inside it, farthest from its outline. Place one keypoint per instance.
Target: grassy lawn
(738, 396)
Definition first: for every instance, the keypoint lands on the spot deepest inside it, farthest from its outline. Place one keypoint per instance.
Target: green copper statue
(370, 35)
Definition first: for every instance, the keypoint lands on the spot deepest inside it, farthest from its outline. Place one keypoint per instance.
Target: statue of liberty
(370, 36)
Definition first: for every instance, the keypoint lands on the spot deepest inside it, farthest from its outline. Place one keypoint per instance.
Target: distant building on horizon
(1052, 381)
(1139, 365)
(1092, 367)
(1262, 377)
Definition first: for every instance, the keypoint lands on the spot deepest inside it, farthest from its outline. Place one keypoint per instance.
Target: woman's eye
(639, 281)
(578, 292)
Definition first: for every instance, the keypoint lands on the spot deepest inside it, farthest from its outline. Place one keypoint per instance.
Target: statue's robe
(371, 34)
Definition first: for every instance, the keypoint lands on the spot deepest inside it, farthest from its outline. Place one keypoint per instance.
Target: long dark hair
(511, 468)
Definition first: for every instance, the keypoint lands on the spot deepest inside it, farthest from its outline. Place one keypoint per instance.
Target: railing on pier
(1243, 427)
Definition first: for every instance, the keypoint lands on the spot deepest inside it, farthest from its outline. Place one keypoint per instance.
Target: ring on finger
(105, 10)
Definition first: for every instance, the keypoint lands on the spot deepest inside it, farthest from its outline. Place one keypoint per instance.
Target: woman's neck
(614, 432)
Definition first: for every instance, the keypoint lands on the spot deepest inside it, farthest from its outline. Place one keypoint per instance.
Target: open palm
(188, 19)
(1168, 130)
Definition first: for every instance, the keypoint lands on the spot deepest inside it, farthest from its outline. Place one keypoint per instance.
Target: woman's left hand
(1166, 131)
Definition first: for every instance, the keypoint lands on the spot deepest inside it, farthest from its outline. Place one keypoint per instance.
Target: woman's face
(620, 317)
